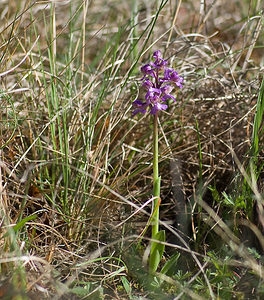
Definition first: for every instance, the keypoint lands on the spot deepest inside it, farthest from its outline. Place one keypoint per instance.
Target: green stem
(154, 255)
(156, 178)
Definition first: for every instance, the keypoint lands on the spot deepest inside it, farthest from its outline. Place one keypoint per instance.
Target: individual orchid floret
(159, 81)
(166, 93)
(172, 76)
(157, 107)
(139, 107)
(153, 95)
(147, 84)
(147, 70)
(159, 62)
(157, 54)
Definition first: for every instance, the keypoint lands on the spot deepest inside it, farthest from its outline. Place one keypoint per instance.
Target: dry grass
(74, 165)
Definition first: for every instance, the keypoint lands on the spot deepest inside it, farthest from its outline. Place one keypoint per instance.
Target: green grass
(76, 168)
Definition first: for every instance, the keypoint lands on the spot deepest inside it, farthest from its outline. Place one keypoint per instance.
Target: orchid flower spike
(159, 81)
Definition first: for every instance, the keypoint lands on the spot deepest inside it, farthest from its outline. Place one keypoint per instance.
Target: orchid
(158, 86)
(159, 81)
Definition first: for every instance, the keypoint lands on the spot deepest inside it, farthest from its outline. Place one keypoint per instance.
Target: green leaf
(257, 132)
(23, 222)
(19, 225)
(228, 200)
(215, 193)
(170, 264)
(81, 291)
(126, 285)
(157, 250)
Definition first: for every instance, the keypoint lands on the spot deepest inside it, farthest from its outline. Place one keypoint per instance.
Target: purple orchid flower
(159, 61)
(139, 107)
(157, 107)
(147, 84)
(166, 93)
(158, 87)
(172, 76)
(147, 70)
(157, 55)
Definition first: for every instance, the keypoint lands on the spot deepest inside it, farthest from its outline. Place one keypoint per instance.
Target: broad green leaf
(157, 250)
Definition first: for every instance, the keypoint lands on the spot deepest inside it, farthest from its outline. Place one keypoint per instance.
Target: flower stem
(154, 255)
(156, 178)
